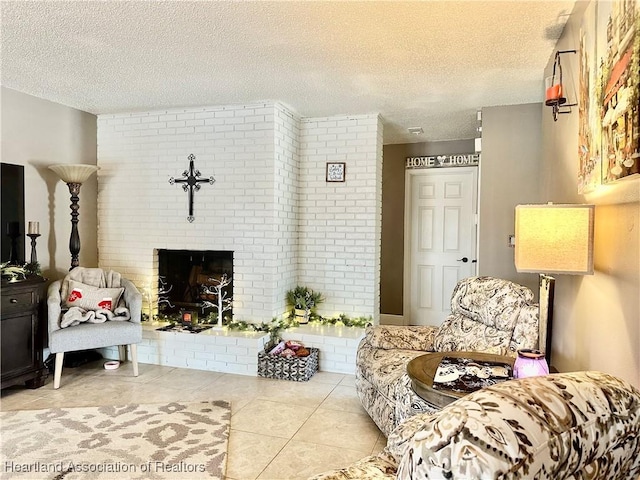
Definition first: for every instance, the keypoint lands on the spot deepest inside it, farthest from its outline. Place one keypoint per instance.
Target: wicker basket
(298, 369)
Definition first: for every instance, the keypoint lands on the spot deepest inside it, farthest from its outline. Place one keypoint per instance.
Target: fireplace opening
(187, 281)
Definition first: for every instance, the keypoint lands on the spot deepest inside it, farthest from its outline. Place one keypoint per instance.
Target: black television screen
(13, 233)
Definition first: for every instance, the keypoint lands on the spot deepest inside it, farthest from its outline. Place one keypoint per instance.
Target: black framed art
(336, 171)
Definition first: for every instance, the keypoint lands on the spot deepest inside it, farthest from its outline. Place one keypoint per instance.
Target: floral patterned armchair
(570, 426)
(487, 315)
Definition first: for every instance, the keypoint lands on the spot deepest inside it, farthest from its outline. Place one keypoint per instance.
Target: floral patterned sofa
(487, 315)
(566, 426)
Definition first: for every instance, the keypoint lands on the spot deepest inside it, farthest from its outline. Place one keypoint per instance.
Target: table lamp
(74, 175)
(553, 239)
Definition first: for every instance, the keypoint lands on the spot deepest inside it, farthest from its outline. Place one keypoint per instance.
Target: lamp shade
(554, 239)
(74, 173)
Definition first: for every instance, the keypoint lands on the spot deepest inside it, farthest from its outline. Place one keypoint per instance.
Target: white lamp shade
(554, 239)
(74, 173)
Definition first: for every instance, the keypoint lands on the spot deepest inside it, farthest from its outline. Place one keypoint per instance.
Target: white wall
(509, 173)
(37, 133)
(265, 170)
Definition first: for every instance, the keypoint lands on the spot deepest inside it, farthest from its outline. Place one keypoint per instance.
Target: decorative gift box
(298, 369)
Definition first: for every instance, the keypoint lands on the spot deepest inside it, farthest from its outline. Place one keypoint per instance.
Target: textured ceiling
(430, 64)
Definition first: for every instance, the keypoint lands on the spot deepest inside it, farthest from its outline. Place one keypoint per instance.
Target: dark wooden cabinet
(22, 333)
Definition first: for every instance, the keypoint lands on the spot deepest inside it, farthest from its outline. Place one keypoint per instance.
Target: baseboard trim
(388, 319)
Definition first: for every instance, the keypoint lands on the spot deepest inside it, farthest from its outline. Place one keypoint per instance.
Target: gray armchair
(93, 308)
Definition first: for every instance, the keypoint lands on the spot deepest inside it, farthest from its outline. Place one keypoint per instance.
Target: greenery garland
(19, 272)
(300, 297)
(344, 320)
(276, 325)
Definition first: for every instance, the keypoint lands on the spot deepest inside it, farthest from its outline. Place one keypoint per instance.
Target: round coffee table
(422, 369)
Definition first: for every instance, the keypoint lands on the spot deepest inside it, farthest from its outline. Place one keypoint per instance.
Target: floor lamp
(553, 239)
(74, 175)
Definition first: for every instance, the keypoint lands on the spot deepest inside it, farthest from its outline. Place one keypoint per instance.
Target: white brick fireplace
(269, 204)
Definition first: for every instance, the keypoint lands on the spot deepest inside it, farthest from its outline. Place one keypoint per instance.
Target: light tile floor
(279, 429)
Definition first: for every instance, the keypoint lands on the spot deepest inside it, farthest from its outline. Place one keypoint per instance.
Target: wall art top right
(609, 93)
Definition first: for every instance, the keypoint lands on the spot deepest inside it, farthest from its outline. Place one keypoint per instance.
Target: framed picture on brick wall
(336, 171)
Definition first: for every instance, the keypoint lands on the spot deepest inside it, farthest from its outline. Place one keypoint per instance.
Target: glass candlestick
(34, 255)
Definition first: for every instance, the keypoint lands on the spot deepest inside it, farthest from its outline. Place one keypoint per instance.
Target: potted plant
(303, 302)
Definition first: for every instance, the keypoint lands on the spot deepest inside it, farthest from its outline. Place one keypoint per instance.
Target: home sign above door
(439, 161)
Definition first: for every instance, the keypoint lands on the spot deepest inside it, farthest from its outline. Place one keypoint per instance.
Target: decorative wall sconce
(554, 89)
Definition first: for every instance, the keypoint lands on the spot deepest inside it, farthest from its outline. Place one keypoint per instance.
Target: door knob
(463, 260)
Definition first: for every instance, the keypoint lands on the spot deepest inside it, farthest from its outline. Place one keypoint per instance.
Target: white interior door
(440, 239)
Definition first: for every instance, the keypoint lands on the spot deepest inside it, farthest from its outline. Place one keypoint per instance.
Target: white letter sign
(439, 161)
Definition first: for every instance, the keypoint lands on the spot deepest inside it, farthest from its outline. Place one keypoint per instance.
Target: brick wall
(285, 232)
(237, 352)
(340, 222)
(269, 204)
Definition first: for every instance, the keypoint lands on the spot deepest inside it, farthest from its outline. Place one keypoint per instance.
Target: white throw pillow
(89, 297)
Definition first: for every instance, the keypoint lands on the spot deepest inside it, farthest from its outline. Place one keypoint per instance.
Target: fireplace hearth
(188, 278)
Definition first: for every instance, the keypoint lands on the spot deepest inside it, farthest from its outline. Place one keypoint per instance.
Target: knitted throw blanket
(76, 315)
(96, 277)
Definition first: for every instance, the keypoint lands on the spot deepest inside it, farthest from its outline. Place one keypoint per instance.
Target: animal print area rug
(151, 441)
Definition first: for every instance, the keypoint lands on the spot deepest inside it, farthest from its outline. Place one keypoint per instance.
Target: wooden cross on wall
(191, 180)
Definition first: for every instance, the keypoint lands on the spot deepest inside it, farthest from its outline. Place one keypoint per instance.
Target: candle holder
(34, 255)
(554, 90)
(530, 363)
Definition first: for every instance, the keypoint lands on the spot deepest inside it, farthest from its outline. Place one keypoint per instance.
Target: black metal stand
(34, 255)
(547, 287)
(74, 240)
